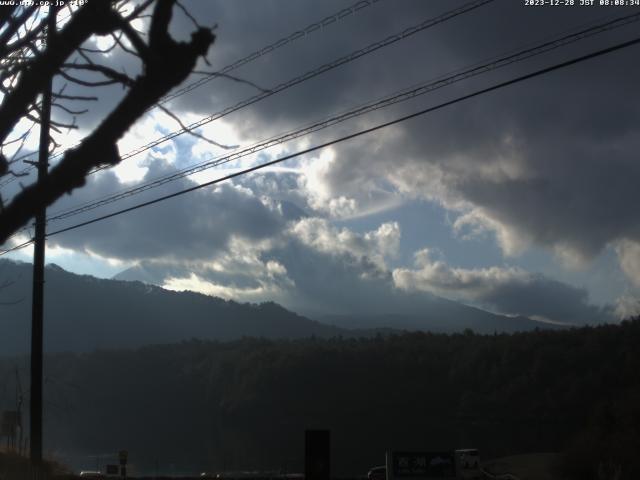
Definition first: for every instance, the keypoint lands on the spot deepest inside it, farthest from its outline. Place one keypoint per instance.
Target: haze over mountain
(419, 312)
(83, 313)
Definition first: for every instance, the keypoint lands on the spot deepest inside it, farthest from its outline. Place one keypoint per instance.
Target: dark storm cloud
(555, 162)
(551, 162)
(340, 283)
(313, 266)
(243, 31)
(547, 298)
(506, 290)
(315, 278)
(485, 32)
(192, 226)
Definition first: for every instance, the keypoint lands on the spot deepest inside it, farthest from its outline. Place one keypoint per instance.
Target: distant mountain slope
(443, 316)
(427, 313)
(83, 313)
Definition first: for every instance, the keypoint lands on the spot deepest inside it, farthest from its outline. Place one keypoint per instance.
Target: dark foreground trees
(30, 56)
(245, 404)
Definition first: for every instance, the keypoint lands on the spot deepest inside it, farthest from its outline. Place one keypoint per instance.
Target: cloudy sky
(519, 201)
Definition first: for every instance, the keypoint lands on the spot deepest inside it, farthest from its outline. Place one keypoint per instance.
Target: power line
(428, 23)
(402, 96)
(17, 247)
(419, 113)
(302, 33)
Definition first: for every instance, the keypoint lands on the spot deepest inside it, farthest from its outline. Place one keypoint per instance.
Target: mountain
(442, 316)
(409, 311)
(84, 313)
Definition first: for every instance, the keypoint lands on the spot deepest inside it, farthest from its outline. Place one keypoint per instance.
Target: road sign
(420, 465)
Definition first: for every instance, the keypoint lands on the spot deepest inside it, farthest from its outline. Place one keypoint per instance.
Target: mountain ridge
(84, 313)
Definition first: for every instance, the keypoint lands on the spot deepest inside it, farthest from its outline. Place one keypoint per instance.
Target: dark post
(123, 456)
(317, 455)
(37, 306)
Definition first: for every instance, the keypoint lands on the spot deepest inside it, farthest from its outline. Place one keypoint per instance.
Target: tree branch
(120, 43)
(14, 24)
(141, 48)
(22, 42)
(190, 131)
(68, 110)
(139, 9)
(74, 97)
(6, 13)
(87, 83)
(167, 64)
(110, 73)
(95, 17)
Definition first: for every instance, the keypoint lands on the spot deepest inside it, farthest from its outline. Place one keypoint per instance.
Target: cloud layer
(503, 289)
(235, 242)
(551, 163)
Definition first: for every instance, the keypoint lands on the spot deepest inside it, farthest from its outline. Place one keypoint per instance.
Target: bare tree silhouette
(29, 58)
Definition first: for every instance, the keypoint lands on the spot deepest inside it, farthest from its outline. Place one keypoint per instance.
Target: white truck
(468, 463)
(461, 464)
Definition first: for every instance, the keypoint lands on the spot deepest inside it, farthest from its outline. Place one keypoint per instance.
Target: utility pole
(37, 305)
(19, 399)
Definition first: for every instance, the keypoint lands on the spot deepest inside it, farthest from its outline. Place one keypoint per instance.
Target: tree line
(244, 405)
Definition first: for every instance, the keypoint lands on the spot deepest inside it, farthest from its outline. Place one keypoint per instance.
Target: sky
(521, 201)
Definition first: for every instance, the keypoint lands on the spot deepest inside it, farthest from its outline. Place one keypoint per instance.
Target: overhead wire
(360, 133)
(373, 47)
(298, 34)
(301, 33)
(401, 96)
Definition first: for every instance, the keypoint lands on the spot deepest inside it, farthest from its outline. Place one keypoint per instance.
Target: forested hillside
(84, 313)
(245, 404)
